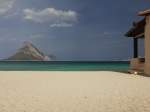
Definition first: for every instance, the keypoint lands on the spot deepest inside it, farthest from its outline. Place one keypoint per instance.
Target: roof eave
(144, 13)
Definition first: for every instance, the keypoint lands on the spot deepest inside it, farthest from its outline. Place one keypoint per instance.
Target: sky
(71, 30)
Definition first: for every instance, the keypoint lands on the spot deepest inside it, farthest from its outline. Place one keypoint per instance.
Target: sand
(73, 92)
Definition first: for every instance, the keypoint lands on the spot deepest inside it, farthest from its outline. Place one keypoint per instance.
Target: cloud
(52, 16)
(6, 6)
(61, 25)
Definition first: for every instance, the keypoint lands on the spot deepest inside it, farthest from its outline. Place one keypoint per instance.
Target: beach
(99, 91)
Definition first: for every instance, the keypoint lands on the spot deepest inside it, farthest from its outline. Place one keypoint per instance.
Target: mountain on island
(29, 53)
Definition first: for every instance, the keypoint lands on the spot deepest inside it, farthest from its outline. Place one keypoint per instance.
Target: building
(141, 29)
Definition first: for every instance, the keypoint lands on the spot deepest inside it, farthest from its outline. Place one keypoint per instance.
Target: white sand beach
(73, 92)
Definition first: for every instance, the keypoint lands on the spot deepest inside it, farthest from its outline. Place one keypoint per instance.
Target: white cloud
(52, 16)
(61, 25)
(5, 6)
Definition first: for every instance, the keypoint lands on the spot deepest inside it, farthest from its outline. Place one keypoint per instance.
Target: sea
(120, 66)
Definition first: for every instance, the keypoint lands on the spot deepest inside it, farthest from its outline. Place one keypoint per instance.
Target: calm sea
(63, 66)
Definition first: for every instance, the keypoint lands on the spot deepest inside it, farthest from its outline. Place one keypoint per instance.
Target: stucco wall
(147, 46)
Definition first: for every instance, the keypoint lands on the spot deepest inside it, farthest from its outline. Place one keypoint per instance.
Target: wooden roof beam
(141, 35)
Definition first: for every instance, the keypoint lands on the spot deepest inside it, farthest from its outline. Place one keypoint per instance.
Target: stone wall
(137, 64)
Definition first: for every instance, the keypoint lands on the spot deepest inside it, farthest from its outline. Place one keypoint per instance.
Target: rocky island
(29, 53)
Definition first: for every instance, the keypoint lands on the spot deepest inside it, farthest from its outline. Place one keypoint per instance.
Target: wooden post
(135, 45)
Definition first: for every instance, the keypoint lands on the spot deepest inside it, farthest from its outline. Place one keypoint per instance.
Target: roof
(144, 13)
(137, 30)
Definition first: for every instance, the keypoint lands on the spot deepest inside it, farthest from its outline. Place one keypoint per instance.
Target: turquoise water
(63, 66)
